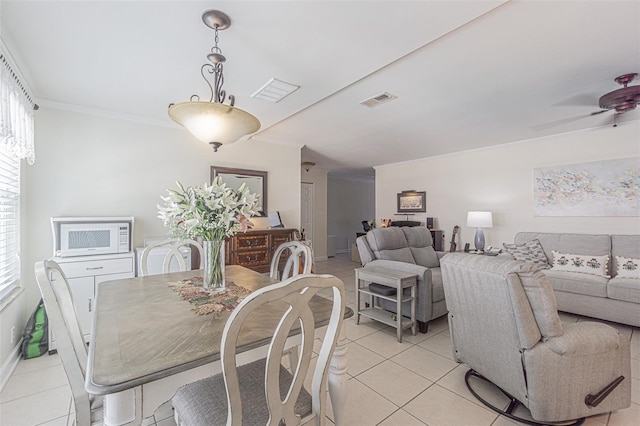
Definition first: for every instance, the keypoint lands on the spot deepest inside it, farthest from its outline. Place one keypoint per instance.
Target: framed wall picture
(412, 202)
(256, 180)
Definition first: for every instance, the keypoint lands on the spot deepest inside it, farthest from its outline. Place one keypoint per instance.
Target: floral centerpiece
(210, 212)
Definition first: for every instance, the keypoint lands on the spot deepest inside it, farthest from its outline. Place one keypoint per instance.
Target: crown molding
(106, 113)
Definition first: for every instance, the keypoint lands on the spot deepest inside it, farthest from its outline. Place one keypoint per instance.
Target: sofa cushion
(364, 251)
(530, 252)
(625, 246)
(425, 256)
(418, 236)
(584, 264)
(627, 267)
(389, 244)
(573, 282)
(420, 243)
(541, 298)
(627, 289)
(400, 255)
(593, 244)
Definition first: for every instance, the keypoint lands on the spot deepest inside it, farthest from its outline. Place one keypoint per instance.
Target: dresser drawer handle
(94, 268)
(249, 259)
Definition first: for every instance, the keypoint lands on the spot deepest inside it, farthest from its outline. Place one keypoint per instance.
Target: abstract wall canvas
(599, 188)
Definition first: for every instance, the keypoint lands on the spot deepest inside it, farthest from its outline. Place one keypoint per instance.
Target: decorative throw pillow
(628, 267)
(585, 264)
(530, 252)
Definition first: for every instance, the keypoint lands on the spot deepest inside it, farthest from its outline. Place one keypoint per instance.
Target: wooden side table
(390, 278)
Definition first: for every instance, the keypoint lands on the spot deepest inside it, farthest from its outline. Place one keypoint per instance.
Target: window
(9, 220)
(16, 143)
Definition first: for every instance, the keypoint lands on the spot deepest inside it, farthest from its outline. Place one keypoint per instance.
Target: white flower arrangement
(211, 212)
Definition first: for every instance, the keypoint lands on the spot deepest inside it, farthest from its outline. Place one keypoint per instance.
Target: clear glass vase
(213, 265)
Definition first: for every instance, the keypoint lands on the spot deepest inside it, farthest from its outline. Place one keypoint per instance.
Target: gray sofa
(408, 249)
(614, 299)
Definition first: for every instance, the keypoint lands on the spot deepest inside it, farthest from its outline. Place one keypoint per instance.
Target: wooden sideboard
(254, 248)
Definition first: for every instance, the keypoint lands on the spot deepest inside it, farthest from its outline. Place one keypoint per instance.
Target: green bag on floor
(35, 339)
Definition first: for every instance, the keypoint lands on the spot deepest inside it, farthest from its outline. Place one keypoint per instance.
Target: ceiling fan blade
(544, 126)
(585, 99)
(599, 112)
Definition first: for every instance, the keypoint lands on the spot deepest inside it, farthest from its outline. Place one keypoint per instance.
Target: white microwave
(93, 238)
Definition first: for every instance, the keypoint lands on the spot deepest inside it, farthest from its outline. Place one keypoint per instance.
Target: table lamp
(479, 220)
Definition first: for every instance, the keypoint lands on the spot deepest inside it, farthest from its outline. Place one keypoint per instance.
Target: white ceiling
(467, 74)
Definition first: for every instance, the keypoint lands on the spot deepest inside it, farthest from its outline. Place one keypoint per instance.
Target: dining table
(146, 342)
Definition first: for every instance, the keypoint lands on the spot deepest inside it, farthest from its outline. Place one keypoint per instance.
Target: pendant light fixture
(307, 165)
(213, 122)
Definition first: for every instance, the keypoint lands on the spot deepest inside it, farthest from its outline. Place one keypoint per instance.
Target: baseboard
(10, 365)
(341, 251)
(320, 258)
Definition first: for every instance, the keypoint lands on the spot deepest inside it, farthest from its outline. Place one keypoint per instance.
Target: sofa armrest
(423, 273)
(584, 338)
(424, 290)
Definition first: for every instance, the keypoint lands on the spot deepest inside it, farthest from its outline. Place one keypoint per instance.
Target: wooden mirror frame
(215, 171)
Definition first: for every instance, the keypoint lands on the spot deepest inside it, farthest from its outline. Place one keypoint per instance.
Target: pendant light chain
(219, 94)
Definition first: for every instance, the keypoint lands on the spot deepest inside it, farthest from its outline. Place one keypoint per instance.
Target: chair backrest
(63, 322)
(295, 294)
(172, 248)
(497, 308)
(300, 254)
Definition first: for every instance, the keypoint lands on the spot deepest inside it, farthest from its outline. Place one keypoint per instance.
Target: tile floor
(415, 382)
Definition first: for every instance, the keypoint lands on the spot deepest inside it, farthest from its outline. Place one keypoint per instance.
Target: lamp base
(479, 239)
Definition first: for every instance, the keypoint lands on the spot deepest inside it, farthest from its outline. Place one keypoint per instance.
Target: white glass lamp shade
(479, 220)
(214, 122)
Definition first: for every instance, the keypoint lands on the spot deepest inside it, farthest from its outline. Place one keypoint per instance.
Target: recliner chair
(504, 325)
(407, 249)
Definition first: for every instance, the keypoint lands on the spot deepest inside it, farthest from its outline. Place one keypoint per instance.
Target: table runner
(204, 302)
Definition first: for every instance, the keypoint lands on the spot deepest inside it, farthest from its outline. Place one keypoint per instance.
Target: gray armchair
(407, 249)
(505, 326)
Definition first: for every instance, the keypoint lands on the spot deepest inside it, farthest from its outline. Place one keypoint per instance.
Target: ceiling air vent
(275, 91)
(378, 100)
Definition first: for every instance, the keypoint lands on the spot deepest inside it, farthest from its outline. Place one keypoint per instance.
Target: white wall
(319, 180)
(500, 179)
(88, 165)
(349, 202)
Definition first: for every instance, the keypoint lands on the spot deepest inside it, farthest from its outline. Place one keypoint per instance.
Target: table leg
(123, 408)
(413, 309)
(399, 296)
(357, 299)
(338, 379)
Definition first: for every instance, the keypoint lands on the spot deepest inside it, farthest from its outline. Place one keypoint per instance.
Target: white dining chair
(172, 248)
(300, 260)
(70, 344)
(263, 392)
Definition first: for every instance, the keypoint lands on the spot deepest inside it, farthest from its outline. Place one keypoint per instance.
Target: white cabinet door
(103, 278)
(83, 297)
(83, 275)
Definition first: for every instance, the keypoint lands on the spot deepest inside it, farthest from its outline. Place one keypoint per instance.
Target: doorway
(306, 210)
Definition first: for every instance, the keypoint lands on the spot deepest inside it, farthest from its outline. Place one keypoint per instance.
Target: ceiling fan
(621, 100)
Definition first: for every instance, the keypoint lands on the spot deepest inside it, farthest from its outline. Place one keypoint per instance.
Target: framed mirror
(256, 180)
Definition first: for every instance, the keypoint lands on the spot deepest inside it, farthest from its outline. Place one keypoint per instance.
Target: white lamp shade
(479, 219)
(214, 121)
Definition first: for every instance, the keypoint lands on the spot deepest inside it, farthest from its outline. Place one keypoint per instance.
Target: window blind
(9, 220)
